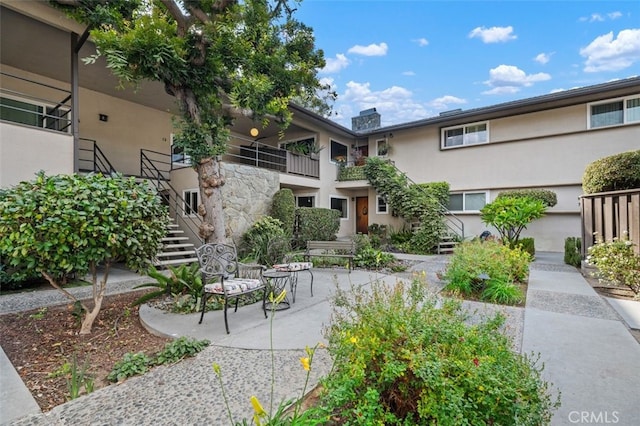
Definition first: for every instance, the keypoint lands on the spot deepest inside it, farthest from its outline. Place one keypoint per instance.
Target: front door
(362, 215)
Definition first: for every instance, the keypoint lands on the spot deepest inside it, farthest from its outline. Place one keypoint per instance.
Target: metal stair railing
(92, 159)
(453, 223)
(156, 168)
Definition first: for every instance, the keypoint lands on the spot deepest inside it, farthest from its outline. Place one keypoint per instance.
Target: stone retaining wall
(247, 196)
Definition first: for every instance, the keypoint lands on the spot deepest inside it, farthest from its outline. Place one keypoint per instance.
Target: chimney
(368, 119)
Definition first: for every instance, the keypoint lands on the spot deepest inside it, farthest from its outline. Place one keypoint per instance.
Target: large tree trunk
(210, 181)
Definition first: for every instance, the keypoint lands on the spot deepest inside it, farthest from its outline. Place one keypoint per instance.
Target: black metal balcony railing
(92, 159)
(35, 104)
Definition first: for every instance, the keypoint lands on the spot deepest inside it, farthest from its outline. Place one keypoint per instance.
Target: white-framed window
(614, 112)
(35, 114)
(339, 152)
(305, 200)
(342, 205)
(381, 205)
(467, 201)
(467, 134)
(178, 157)
(382, 147)
(191, 198)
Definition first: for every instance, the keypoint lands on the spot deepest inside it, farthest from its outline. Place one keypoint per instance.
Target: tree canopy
(219, 58)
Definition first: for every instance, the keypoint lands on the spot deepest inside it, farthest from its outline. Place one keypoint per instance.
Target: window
(613, 113)
(467, 201)
(340, 204)
(190, 197)
(305, 201)
(382, 147)
(469, 134)
(381, 205)
(338, 152)
(54, 118)
(178, 157)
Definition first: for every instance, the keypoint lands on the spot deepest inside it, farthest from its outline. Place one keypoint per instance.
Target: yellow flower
(305, 363)
(257, 407)
(354, 340)
(279, 298)
(216, 368)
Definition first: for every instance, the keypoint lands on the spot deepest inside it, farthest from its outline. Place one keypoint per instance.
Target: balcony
(268, 157)
(349, 172)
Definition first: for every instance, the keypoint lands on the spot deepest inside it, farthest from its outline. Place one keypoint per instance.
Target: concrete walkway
(588, 351)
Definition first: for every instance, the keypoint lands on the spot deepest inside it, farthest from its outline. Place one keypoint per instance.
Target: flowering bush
(616, 262)
(400, 360)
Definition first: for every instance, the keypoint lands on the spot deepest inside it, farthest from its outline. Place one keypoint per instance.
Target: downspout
(76, 45)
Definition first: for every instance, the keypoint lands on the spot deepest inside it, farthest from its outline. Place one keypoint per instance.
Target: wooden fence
(609, 215)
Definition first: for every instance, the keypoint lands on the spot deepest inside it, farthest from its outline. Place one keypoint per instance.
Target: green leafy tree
(220, 59)
(69, 224)
(512, 215)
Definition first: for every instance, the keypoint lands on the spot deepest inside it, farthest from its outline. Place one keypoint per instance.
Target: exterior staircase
(447, 244)
(176, 249)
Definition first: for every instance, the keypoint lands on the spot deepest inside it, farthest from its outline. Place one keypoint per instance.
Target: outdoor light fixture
(254, 132)
(103, 117)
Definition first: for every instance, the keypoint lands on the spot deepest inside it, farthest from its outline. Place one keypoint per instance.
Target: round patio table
(276, 284)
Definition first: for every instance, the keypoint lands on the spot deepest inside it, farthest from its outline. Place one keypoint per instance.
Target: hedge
(548, 197)
(614, 173)
(316, 224)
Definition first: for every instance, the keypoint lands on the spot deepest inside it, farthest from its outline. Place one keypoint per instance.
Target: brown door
(362, 215)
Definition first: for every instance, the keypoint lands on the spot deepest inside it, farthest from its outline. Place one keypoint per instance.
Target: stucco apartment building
(61, 116)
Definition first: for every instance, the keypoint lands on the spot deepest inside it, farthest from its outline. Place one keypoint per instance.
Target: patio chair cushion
(234, 286)
(293, 266)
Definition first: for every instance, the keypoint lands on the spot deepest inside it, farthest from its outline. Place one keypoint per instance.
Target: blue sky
(414, 59)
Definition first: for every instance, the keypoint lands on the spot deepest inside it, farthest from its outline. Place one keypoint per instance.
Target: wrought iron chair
(224, 276)
(279, 252)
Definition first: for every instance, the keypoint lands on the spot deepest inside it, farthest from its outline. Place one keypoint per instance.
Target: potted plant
(314, 150)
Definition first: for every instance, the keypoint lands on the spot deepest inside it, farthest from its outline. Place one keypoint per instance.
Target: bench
(345, 249)
(224, 276)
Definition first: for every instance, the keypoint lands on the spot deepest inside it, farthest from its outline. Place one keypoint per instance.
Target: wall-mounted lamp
(353, 198)
(103, 117)
(254, 132)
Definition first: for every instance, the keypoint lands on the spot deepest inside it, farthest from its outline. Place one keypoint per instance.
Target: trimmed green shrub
(283, 208)
(528, 244)
(351, 173)
(70, 224)
(257, 240)
(487, 270)
(402, 358)
(613, 173)
(436, 190)
(573, 251)
(548, 197)
(316, 224)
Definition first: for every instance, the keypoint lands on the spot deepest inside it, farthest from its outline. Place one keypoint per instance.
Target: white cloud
(606, 53)
(493, 34)
(446, 101)
(395, 104)
(408, 73)
(370, 50)
(421, 41)
(597, 17)
(543, 58)
(336, 64)
(508, 79)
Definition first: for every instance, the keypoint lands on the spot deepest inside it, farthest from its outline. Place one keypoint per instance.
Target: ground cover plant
(401, 359)
(487, 271)
(41, 344)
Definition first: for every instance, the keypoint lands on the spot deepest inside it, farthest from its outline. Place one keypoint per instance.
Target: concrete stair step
(175, 261)
(177, 246)
(176, 253)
